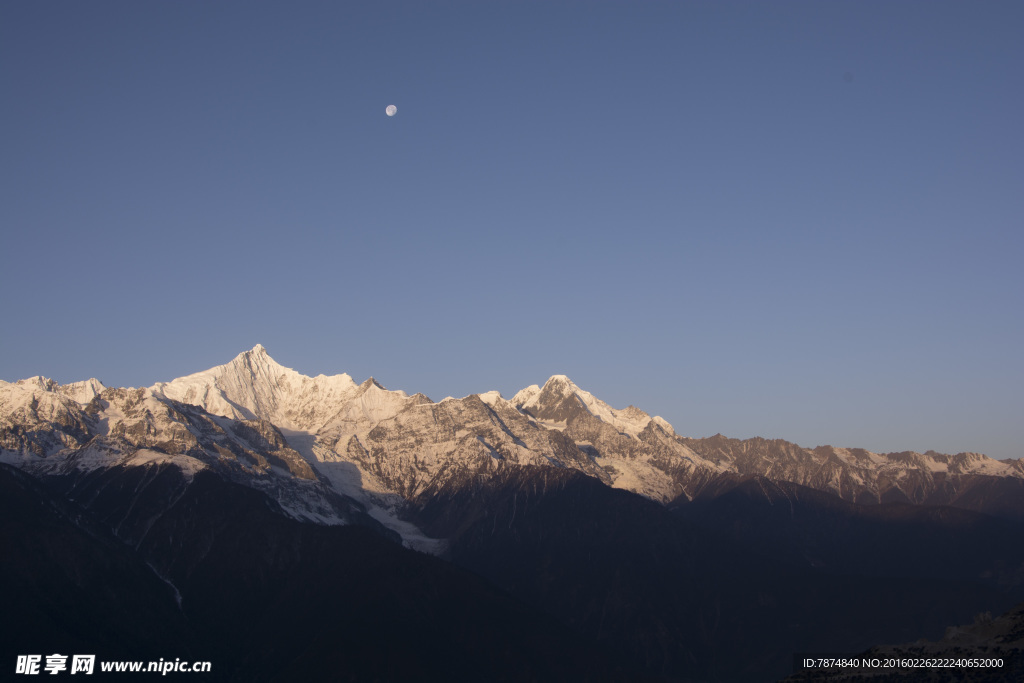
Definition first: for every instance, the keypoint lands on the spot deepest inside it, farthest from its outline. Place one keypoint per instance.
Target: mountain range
(545, 536)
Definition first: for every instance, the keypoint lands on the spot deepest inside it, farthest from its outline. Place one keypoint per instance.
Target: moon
(391, 110)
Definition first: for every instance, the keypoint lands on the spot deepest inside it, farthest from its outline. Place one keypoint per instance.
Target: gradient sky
(799, 220)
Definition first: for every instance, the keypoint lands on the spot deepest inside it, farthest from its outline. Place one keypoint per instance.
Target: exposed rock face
(254, 385)
(730, 555)
(37, 418)
(403, 444)
(326, 448)
(860, 476)
(265, 438)
(48, 434)
(218, 571)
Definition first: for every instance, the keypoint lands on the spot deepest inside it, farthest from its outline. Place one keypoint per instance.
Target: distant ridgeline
(269, 522)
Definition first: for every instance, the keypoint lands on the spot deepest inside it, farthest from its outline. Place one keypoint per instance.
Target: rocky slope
(327, 448)
(54, 431)
(682, 558)
(403, 445)
(220, 577)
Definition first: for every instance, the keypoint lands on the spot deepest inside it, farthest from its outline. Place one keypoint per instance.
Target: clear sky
(799, 220)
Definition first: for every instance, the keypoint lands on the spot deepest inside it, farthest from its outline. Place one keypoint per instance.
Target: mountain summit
(560, 400)
(255, 385)
(252, 479)
(268, 426)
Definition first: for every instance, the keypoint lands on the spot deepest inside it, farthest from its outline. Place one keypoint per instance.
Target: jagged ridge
(315, 441)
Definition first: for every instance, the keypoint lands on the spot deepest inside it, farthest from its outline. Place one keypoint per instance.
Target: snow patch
(630, 421)
(255, 385)
(664, 424)
(186, 463)
(491, 398)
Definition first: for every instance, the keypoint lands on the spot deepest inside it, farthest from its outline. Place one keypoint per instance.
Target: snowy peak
(38, 382)
(45, 398)
(631, 412)
(368, 440)
(560, 400)
(254, 385)
(371, 382)
(36, 417)
(79, 392)
(556, 401)
(366, 407)
(559, 386)
(258, 364)
(560, 383)
(524, 396)
(491, 398)
(82, 392)
(664, 424)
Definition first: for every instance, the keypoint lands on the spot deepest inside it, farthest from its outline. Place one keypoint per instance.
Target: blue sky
(797, 220)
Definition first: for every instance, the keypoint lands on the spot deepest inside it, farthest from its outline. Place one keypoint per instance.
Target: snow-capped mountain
(626, 448)
(248, 496)
(326, 448)
(71, 431)
(253, 386)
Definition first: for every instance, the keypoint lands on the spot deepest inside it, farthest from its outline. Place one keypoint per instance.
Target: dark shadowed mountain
(269, 522)
(699, 593)
(265, 597)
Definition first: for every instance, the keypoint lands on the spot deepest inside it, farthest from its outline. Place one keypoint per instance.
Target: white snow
(412, 536)
(19, 397)
(349, 479)
(523, 396)
(557, 425)
(415, 445)
(79, 392)
(255, 385)
(491, 398)
(630, 421)
(935, 465)
(664, 424)
(186, 463)
(93, 457)
(987, 466)
(82, 392)
(638, 477)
